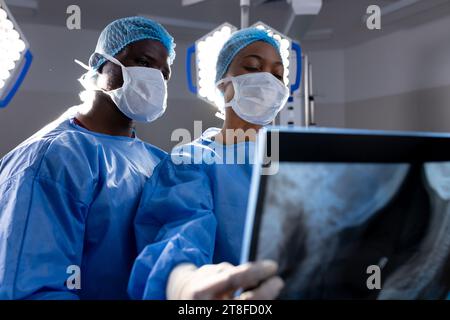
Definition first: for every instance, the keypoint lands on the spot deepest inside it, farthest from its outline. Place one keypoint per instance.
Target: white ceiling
(338, 25)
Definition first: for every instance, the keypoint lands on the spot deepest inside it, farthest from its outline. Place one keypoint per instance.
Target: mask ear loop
(89, 74)
(225, 81)
(84, 66)
(105, 55)
(112, 59)
(221, 113)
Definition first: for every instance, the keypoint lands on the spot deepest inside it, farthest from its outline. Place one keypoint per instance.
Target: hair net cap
(120, 33)
(236, 43)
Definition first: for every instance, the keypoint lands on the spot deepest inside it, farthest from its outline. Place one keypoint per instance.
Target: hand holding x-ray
(258, 281)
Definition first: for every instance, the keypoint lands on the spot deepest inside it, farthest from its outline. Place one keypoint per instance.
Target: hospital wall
(328, 68)
(400, 81)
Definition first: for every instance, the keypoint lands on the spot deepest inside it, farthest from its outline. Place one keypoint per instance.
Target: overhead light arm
(245, 13)
(302, 15)
(396, 6)
(26, 4)
(190, 2)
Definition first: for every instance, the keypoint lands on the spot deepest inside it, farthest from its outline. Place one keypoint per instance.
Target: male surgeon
(68, 194)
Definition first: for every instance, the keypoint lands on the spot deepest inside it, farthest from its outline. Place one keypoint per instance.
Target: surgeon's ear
(221, 87)
(110, 76)
(227, 90)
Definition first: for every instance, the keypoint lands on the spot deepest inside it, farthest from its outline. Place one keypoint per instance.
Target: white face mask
(258, 97)
(143, 96)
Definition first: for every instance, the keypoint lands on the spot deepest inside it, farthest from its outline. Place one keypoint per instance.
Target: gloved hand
(257, 280)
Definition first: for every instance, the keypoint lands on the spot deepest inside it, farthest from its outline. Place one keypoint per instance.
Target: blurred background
(396, 78)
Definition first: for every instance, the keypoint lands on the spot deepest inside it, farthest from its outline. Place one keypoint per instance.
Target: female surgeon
(70, 192)
(211, 176)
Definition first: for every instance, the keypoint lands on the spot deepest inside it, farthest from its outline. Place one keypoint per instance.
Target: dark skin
(257, 57)
(103, 115)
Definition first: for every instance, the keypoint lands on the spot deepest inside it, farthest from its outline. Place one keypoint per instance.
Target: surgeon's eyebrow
(279, 62)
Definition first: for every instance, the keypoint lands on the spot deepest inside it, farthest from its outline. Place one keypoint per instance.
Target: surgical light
(206, 51)
(15, 56)
(285, 46)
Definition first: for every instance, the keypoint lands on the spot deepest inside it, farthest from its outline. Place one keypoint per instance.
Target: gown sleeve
(174, 224)
(41, 224)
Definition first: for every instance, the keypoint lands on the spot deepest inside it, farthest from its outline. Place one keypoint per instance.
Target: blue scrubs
(191, 212)
(69, 197)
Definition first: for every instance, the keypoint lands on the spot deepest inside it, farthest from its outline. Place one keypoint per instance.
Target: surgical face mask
(258, 97)
(143, 96)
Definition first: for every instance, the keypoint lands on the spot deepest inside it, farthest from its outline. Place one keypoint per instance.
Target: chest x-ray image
(326, 223)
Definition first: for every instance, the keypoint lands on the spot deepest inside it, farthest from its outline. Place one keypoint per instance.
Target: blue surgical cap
(120, 33)
(236, 43)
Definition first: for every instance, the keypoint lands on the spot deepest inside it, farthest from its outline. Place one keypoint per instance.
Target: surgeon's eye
(279, 77)
(251, 69)
(143, 62)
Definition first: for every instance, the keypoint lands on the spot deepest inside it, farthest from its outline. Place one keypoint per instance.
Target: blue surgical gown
(192, 210)
(68, 196)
